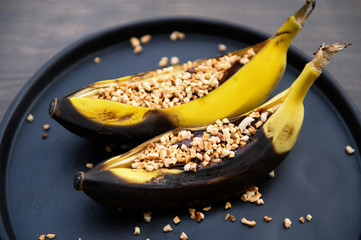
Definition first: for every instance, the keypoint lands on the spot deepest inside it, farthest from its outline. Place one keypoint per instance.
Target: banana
(241, 89)
(120, 182)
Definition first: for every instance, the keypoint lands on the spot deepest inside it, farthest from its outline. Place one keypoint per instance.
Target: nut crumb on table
(137, 231)
(30, 118)
(287, 223)
(250, 223)
(350, 150)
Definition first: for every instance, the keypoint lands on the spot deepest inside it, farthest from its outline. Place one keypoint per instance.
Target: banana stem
(312, 70)
(302, 15)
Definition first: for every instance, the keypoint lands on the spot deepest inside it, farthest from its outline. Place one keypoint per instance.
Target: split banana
(240, 89)
(267, 134)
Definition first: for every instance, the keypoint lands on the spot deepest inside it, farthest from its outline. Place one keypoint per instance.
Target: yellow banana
(245, 89)
(120, 182)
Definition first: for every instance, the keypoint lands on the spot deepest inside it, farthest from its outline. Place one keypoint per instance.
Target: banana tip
(78, 181)
(52, 107)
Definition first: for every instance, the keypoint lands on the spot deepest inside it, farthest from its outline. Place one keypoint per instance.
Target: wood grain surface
(32, 31)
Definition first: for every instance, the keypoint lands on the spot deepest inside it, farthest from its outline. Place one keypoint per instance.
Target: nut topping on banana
(196, 89)
(119, 182)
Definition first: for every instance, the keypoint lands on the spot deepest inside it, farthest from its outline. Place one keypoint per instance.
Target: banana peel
(244, 90)
(114, 183)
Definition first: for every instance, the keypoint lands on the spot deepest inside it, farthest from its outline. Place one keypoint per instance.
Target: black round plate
(36, 192)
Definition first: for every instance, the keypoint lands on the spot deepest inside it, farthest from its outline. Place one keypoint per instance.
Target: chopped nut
(167, 228)
(260, 201)
(147, 216)
(200, 216)
(222, 48)
(176, 220)
(145, 39)
(97, 60)
(309, 217)
(176, 35)
(248, 222)
(138, 49)
(46, 127)
(207, 208)
(192, 212)
(163, 62)
(183, 236)
(267, 219)
(233, 219)
(44, 135)
(227, 216)
(287, 223)
(30, 118)
(174, 60)
(89, 165)
(42, 237)
(302, 219)
(272, 174)
(137, 231)
(228, 205)
(349, 150)
(134, 42)
(50, 235)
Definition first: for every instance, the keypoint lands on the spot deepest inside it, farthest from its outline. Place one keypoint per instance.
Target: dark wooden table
(32, 31)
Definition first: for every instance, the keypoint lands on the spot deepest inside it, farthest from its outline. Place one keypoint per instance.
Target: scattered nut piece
(134, 42)
(206, 209)
(272, 174)
(145, 39)
(309, 217)
(108, 149)
(200, 216)
(44, 135)
(222, 48)
(30, 118)
(137, 231)
(147, 216)
(233, 219)
(167, 228)
(46, 127)
(89, 165)
(227, 216)
(42, 237)
(248, 222)
(260, 201)
(163, 62)
(176, 220)
(183, 236)
(302, 219)
(174, 60)
(349, 150)
(287, 223)
(267, 219)
(192, 212)
(176, 35)
(228, 205)
(50, 235)
(138, 49)
(97, 60)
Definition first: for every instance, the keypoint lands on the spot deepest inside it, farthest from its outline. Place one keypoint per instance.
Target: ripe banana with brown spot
(115, 183)
(245, 89)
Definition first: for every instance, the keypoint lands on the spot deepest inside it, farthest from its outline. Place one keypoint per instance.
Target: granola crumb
(309, 217)
(97, 60)
(176, 220)
(89, 165)
(50, 235)
(147, 216)
(30, 118)
(137, 231)
(250, 223)
(46, 127)
(200, 216)
(233, 219)
(227, 216)
(302, 219)
(228, 205)
(183, 236)
(174, 60)
(350, 150)
(267, 219)
(222, 48)
(287, 223)
(272, 174)
(44, 136)
(206, 209)
(145, 39)
(167, 228)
